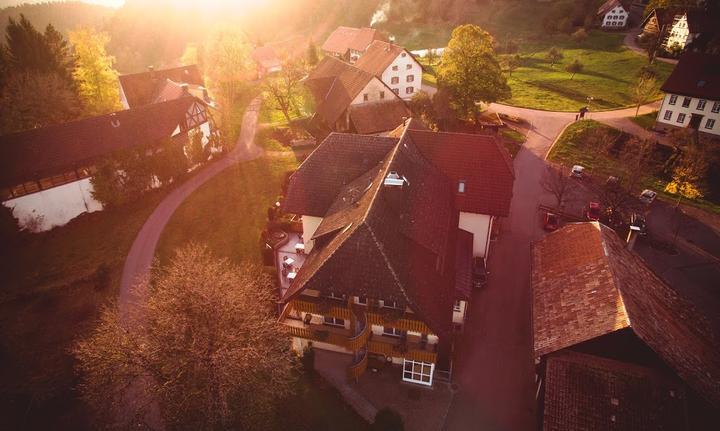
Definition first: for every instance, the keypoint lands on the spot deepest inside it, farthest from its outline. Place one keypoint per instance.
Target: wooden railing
(403, 323)
(357, 369)
(399, 350)
(323, 308)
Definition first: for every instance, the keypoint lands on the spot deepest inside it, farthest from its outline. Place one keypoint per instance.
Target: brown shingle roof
(378, 116)
(378, 56)
(696, 75)
(142, 88)
(343, 39)
(586, 283)
(585, 392)
(610, 4)
(53, 150)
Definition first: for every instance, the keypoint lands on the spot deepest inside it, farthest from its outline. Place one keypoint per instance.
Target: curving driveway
(139, 259)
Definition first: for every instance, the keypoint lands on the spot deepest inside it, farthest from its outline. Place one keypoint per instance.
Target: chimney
(394, 180)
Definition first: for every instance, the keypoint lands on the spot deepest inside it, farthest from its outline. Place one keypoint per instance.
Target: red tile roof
(610, 4)
(379, 116)
(143, 88)
(37, 153)
(479, 160)
(586, 283)
(585, 392)
(343, 39)
(378, 56)
(696, 75)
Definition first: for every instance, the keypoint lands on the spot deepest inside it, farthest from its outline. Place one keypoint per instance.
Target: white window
(365, 97)
(396, 90)
(395, 68)
(394, 80)
(686, 102)
(668, 115)
(404, 54)
(461, 186)
(418, 372)
(457, 306)
(408, 67)
(710, 123)
(362, 300)
(701, 104)
(409, 90)
(716, 107)
(410, 78)
(681, 118)
(673, 99)
(333, 321)
(392, 332)
(390, 304)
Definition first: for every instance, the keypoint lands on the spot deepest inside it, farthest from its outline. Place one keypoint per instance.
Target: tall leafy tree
(94, 74)
(471, 72)
(227, 64)
(283, 86)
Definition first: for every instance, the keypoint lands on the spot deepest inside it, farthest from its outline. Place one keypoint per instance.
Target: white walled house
(395, 66)
(389, 244)
(47, 173)
(614, 14)
(678, 28)
(692, 95)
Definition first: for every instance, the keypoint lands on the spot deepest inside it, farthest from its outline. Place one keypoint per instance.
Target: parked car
(551, 222)
(638, 223)
(479, 274)
(647, 196)
(577, 171)
(612, 183)
(592, 212)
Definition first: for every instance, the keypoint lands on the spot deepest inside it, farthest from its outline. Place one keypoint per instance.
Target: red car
(593, 211)
(551, 222)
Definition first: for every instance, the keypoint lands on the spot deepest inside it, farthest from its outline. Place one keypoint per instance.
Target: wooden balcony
(358, 368)
(323, 307)
(402, 321)
(398, 348)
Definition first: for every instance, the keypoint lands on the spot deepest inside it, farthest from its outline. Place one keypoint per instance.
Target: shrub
(388, 420)
(580, 35)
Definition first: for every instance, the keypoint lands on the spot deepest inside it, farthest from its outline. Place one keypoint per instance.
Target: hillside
(64, 16)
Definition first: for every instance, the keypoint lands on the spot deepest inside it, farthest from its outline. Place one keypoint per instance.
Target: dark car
(551, 222)
(638, 223)
(479, 274)
(593, 211)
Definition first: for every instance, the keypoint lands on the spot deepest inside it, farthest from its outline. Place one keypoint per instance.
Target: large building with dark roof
(593, 295)
(387, 262)
(153, 86)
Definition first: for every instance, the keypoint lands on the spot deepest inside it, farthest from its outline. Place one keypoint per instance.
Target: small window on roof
(701, 83)
(461, 186)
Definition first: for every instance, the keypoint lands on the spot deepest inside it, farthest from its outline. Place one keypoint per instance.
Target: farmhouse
(676, 29)
(349, 43)
(389, 230)
(46, 172)
(269, 57)
(153, 86)
(348, 99)
(692, 95)
(614, 14)
(615, 347)
(394, 66)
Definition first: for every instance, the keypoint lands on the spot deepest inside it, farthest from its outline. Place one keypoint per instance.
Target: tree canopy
(471, 72)
(94, 74)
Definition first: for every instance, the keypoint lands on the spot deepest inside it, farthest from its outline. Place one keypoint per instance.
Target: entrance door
(695, 121)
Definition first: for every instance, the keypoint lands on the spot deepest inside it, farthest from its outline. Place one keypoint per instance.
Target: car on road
(551, 222)
(638, 223)
(647, 196)
(592, 212)
(577, 171)
(479, 274)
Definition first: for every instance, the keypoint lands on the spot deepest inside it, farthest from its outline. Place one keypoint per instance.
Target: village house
(47, 171)
(154, 86)
(676, 29)
(614, 14)
(349, 43)
(615, 346)
(270, 56)
(348, 99)
(390, 226)
(394, 66)
(692, 95)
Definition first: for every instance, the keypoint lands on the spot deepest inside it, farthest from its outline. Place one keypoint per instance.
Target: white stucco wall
(55, 206)
(459, 316)
(479, 225)
(372, 89)
(310, 225)
(679, 34)
(615, 18)
(670, 113)
(402, 72)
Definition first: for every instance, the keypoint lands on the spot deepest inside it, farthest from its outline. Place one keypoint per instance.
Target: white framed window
(701, 104)
(410, 78)
(404, 54)
(418, 372)
(333, 321)
(332, 295)
(681, 118)
(394, 80)
(457, 306)
(673, 100)
(392, 332)
(710, 123)
(362, 300)
(686, 102)
(395, 68)
(461, 186)
(409, 90)
(668, 115)
(408, 66)
(396, 90)
(390, 304)
(716, 107)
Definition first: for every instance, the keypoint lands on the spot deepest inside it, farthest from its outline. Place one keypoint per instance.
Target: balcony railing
(402, 349)
(358, 367)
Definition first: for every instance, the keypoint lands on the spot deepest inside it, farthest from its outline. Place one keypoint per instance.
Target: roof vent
(394, 180)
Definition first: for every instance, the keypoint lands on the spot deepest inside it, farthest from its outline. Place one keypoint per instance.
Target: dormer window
(461, 186)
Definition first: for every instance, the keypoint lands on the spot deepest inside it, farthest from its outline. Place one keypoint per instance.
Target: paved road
(494, 366)
(142, 252)
(631, 42)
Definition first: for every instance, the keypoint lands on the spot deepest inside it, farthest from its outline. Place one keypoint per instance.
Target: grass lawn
(513, 140)
(429, 74)
(49, 298)
(646, 121)
(270, 114)
(609, 74)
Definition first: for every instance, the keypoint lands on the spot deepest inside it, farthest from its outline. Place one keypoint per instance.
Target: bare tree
(642, 92)
(636, 160)
(555, 181)
(283, 87)
(203, 339)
